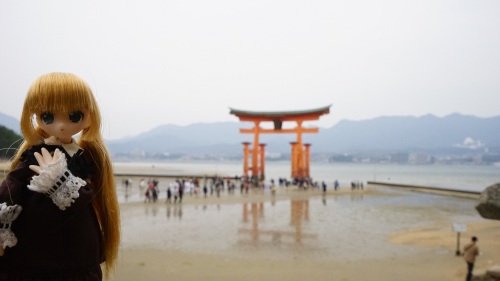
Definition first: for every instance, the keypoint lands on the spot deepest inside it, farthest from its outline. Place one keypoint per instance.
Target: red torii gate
(300, 156)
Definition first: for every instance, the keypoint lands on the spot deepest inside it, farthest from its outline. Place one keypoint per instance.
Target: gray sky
(154, 62)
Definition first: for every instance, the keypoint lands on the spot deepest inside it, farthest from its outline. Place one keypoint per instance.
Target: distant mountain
(410, 134)
(196, 138)
(387, 134)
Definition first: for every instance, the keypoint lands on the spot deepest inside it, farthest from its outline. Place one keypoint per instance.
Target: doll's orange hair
(66, 92)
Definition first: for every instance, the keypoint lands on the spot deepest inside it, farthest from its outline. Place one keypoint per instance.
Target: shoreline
(136, 171)
(429, 189)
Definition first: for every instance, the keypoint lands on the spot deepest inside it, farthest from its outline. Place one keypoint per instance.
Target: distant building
(399, 158)
(137, 153)
(420, 158)
(273, 155)
(341, 158)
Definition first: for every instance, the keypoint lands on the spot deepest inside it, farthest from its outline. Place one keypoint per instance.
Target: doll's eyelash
(47, 117)
(76, 116)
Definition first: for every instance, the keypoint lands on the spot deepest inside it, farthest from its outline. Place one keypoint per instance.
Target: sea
(457, 177)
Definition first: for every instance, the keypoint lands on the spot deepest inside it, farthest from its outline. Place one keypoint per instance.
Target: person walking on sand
(175, 191)
(471, 250)
(169, 192)
(142, 185)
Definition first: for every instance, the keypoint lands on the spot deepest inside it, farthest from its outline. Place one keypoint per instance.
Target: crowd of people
(175, 190)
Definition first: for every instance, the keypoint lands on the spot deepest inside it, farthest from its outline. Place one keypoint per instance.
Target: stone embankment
(489, 208)
(492, 274)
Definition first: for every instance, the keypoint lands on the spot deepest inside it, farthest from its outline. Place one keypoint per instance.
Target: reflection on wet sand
(299, 211)
(174, 211)
(151, 209)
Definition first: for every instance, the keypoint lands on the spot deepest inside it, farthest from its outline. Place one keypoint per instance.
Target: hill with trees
(9, 142)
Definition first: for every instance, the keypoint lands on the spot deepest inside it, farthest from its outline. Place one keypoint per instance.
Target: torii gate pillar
(262, 155)
(307, 157)
(246, 152)
(300, 153)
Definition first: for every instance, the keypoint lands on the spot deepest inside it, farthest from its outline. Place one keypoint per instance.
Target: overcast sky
(154, 62)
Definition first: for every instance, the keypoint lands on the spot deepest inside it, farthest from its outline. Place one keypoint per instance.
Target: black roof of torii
(280, 115)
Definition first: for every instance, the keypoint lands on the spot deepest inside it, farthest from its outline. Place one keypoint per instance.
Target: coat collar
(71, 148)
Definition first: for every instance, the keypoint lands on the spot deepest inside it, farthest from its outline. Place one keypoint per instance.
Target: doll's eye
(47, 117)
(76, 116)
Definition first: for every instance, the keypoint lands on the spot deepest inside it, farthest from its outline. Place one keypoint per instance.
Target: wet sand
(376, 234)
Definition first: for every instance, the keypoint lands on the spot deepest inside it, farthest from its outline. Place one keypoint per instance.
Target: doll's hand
(54, 178)
(45, 160)
(50, 170)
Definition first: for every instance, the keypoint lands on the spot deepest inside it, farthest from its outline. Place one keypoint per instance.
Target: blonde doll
(59, 215)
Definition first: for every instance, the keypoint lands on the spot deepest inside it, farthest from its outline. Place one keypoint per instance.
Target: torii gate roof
(308, 114)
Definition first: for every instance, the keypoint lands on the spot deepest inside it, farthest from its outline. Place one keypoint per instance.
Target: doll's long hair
(66, 92)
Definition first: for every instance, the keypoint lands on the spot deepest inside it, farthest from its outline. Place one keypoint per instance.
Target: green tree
(9, 142)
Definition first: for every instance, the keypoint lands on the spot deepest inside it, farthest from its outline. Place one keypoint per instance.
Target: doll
(59, 215)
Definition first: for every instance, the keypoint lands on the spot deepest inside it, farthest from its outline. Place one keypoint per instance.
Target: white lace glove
(54, 178)
(7, 215)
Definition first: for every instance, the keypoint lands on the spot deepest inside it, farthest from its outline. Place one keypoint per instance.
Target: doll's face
(63, 126)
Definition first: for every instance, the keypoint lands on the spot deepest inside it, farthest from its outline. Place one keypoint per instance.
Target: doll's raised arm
(55, 179)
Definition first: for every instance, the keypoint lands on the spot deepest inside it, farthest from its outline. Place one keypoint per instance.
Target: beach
(378, 233)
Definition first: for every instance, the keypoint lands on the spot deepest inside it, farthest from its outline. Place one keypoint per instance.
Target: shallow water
(460, 177)
(347, 227)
